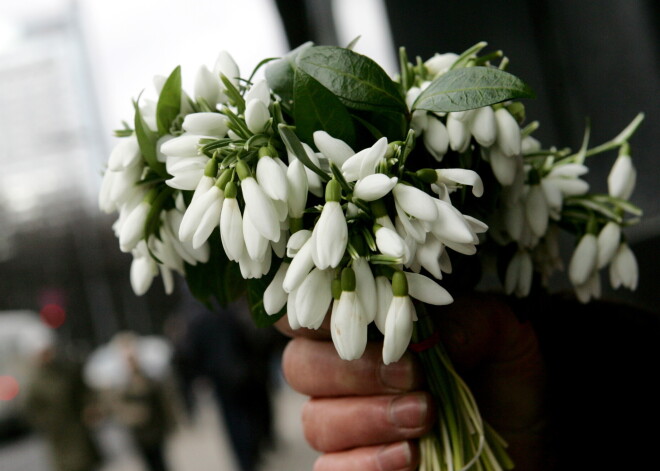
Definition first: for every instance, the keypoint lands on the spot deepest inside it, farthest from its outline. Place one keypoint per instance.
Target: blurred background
(68, 72)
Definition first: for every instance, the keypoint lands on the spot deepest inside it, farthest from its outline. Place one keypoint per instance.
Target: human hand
(363, 414)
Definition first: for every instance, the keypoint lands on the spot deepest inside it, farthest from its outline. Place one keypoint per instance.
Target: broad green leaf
(317, 109)
(358, 81)
(280, 74)
(169, 102)
(147, 140)
(294, 145)
(392, 125)
(470, 88)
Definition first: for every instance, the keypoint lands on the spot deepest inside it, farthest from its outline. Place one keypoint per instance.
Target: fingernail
(399, 376)
(394, 457)
(408, 411)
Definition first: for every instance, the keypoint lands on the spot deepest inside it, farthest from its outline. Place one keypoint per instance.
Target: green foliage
(147, 141)
(169, 102)
(280, 74)
(470, 88)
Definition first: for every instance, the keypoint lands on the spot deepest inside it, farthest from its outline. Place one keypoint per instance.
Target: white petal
(226, 65)
(503, 166)
(186, 145)
(132, 229)
(125, 154)
(259, 91)
(206, 124)
(300, 266)
(256, 116)
(296, 241)
(584, 260)
(459, 137)
(536, 210)
(264, 216)
(383, 300)
(426, 290)
(143, 271)
(415, 202)
(275, 297)
(231, 229)
(621, 179)
(347, 328)
(398, 329)
(436, 138)
(483, 126)
(272, 178)
(297, 188)
(333, 149)
(365, 287)
(374, 187)
(314, 297)
(508, 133)
(608, 243)
(207, 86)
(331, 235)
(209, 221)
(255, 244)
(390, 243)
(450, 176)
(450, 224)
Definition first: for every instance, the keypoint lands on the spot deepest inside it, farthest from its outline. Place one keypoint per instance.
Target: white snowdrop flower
(186, 145)
(622, 177)
(274, 296)
(465, 249)
(518, 277)
(279, 247)
(508, 133)
(428, 255)
(251, 268)
(256, 116)
(536, 210)
(330, 233)
(568, 171)
(589, 289)
(529, 145)
(207, 87)
(608, 243)
(453, 177)
(291, 313)
(296, 241)
(365, 288)
(436, 138)
(205, 183)
(313, 181)
(231, 225)
(186, 172)
(584, 260)
(383, 300)
(255, 244)
(385, 221)
(459, 135)
(415, 202)
(570, 186)
(259, 91)
(170, 229)
(390, 243)
(623, 269)
(440, 63)
(297, 188)
(132, 229)
(426, 290)
(226, 65)
(399, 321)
(206, 124)
(143, 270)
(125, 154)
(199, 218)
(264, 216)
(160, 156)
(335, 150)
(450, 225)
(314, 297)
(477, 226)
(348, 328)
(504, 167)
(419, 122)
(301, 264)
(364, 163)
(374, 187)
(272, 178)
(168, 279)
(553, 197)
(411, 226)
(483, 126)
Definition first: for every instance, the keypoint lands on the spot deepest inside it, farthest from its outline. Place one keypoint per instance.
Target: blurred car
(22, 335)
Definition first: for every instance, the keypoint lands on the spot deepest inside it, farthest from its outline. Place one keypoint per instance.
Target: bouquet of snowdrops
(331, 189)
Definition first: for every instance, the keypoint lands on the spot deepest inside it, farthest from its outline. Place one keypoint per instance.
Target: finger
(313, 368)
(342, 423)
(402, 456)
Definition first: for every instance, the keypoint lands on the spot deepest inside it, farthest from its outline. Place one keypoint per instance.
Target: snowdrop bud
(508, 133)
(415, 202)
(125, 154)
(297, 188)
(459, 137)
(589, 289)
(374, 187)
(436, 138)
(255, 244)
(143, 271)
(132, 230)
(182, 146)
(389, 242)
(330, 233)
(296, 241)
(426, 290)
(365, 288)
(256, 116)
(274, 296)
(504, 167)
(536, 210)
(347, 327)
(451, 176)
(622, 177)
(450, 225)
(335, 150)
(226, 66)
(259, 91)
(314, 297)
(419, 121)
(206, 124)
(231, 225)
(624, 270)
(518, 278)
(440, 63)
(608, 243)
(272, 178)
(483, 126)
(207, 87)
(383, 300)
(300, 266)
(399, 321)
(584, 260)
(264, 216)
(291, 313)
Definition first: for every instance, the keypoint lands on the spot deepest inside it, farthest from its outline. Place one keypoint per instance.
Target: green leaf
(294, 145)
(358, 81)
(280, 74)
(316, 108)
(147, 140)
(169, 102)
(470, 88)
